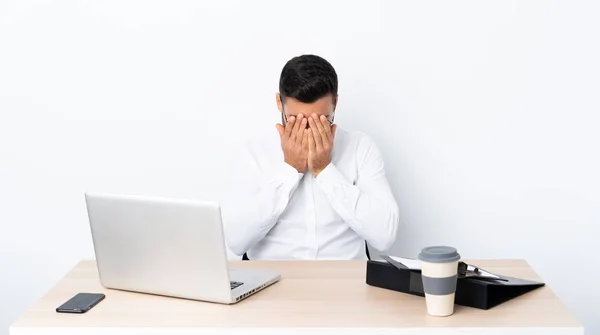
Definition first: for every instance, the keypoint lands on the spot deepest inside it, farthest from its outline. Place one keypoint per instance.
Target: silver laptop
(167, 247)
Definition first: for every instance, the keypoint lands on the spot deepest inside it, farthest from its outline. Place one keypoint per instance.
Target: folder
(481, 293)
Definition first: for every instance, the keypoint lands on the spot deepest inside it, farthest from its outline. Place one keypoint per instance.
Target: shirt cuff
(329, 177)
(287, 175)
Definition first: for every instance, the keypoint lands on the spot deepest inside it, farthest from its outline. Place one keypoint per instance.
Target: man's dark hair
(307, 78)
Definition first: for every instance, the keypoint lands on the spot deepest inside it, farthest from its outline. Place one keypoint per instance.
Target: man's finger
(318, 131)
(326, 127)
(314, 132)
(297, 124)
(301, 126)
(311, 140)
(305, 140)
(289, 126)
(333, 130)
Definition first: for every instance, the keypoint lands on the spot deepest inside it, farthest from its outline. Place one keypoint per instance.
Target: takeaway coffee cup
(439, 270)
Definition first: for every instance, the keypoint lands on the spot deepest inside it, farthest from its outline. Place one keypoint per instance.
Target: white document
(413, 264)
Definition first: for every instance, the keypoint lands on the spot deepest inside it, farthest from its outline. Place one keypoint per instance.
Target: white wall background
(486, 112)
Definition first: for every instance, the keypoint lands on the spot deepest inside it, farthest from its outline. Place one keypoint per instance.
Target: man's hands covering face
(307, 148)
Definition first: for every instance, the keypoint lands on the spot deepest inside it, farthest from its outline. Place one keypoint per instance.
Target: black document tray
(472, 292)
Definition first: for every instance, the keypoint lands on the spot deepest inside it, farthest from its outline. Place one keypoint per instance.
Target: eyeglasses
(285, 117)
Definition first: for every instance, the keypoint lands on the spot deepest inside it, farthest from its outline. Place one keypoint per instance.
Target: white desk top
(330, 296)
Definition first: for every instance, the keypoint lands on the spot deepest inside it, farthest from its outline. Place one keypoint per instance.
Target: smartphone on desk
(81, 303)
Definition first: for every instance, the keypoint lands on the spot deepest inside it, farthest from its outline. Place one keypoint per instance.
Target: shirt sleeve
(367, 206)
(256, 199)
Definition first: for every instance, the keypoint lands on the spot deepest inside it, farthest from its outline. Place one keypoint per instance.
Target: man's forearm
(255, 213)
(372, 215)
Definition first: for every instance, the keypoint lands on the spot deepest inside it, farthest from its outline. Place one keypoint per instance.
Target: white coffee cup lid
(439, 254)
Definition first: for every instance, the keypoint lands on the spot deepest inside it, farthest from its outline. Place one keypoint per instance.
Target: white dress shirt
(278, 213)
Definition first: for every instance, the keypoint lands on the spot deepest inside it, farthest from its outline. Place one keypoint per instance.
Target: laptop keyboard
(235, 284)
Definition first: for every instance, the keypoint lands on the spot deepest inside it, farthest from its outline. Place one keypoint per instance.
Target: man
(311, 190)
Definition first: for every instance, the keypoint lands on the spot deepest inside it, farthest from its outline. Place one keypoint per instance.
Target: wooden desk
(329, 295)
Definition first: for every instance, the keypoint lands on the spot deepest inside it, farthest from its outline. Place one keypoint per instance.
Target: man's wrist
(316, 171)
(294, 166)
